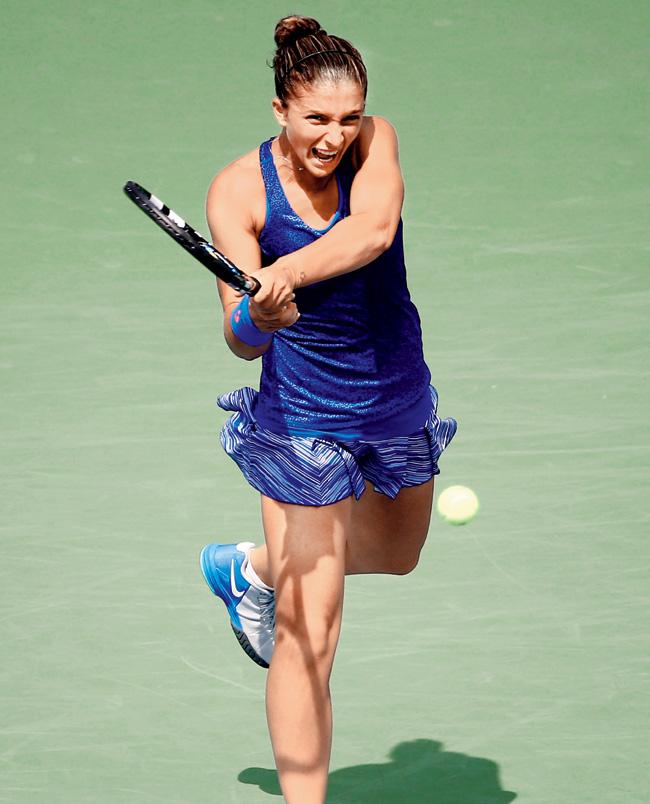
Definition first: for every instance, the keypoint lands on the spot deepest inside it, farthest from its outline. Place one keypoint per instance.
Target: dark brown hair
(306, 53)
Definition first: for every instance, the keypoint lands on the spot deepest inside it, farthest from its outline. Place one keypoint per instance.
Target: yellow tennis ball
(457, 505)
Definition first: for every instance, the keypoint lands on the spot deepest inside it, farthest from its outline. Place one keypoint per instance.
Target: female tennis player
(342, 440)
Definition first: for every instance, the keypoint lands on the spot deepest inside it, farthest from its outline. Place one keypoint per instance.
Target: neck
(288, 163)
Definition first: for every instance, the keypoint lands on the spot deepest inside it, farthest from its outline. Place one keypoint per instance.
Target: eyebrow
(326, 114)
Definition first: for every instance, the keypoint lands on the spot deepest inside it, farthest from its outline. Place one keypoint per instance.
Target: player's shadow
(419, 772)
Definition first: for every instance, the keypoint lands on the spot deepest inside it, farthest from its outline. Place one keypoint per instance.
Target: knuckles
(271, 316)
(273, 306)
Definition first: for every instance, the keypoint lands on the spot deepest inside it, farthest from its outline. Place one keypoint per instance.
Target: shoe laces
(266, 602)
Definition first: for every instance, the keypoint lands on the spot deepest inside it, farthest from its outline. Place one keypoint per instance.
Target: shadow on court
(419, 771)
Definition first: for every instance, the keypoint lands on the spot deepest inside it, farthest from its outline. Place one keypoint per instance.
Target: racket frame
(192, 241)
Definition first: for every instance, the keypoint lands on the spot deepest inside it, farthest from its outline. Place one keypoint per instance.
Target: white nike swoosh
(233, 585)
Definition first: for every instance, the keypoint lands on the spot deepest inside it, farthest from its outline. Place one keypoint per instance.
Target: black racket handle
(208, 256)
(189, 239)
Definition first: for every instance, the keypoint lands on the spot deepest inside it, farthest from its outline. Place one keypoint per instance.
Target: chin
(323, 168)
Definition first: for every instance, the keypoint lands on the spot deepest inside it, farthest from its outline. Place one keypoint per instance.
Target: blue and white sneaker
(251, 610)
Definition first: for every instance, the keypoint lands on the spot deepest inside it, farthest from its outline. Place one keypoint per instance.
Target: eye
(317, 117)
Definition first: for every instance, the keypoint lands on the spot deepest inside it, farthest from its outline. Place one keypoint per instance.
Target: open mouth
(324, 156)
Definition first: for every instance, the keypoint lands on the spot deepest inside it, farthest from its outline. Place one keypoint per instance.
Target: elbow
(246, 352)
(243, 350)
(249, 356)
(384, 237)
(386, 241)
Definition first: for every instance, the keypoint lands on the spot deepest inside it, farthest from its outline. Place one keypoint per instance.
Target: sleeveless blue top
(352, 366)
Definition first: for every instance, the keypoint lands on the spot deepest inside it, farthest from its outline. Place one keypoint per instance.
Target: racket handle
(224, 269)
(187, 237)
(252, 285)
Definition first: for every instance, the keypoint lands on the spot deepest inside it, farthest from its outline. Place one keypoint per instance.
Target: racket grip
(252, 285)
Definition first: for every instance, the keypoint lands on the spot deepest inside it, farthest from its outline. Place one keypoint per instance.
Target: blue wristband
(244, 328)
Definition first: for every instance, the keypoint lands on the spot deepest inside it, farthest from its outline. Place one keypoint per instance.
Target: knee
(404, 564)
(310, 641)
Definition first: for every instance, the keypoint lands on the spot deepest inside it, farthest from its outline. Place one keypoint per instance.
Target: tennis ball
(457, 505)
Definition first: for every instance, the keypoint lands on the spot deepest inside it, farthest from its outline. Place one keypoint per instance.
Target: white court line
(575, 451)
(223, 680)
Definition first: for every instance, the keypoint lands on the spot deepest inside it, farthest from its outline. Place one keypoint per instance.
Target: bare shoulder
(239, 187)
(373, 124)
(378, 134)
(239, 176)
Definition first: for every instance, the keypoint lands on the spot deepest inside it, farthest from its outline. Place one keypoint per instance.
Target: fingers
(270, 296)
(273, 306)
(275, 290)
(269, 319)
(292, 314)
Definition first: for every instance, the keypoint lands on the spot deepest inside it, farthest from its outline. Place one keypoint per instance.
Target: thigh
(386, 535)
(306, 547)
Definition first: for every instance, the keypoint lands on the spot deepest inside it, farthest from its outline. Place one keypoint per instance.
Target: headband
(320, 53)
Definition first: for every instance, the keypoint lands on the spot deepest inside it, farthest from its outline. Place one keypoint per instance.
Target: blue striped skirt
(322, 470)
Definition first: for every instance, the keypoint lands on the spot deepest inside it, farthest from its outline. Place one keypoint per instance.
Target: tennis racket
(191, 240)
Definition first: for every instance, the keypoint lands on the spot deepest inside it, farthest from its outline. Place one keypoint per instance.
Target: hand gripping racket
(191, 240)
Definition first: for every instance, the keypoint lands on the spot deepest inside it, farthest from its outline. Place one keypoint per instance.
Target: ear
(280, 111)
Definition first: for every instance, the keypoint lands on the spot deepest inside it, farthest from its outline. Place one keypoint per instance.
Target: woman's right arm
(234, 222)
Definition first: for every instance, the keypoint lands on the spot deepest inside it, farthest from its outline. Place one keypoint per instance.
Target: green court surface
(513, 664)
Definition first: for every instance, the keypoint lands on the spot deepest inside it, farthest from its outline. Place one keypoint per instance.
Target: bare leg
(386, 536)
(306, 555)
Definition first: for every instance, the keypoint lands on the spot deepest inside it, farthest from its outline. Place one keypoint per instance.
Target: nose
(334, 137)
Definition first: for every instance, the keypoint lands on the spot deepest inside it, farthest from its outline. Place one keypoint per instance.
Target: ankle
(259, 563)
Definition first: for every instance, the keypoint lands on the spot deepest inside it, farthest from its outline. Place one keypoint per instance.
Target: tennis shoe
(251, 610)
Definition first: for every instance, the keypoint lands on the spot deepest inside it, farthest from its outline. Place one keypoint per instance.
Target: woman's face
(320, 123)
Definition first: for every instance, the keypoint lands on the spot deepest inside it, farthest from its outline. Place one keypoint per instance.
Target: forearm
(350, 244)
(249, 323)
(237, 346)
(243, 350)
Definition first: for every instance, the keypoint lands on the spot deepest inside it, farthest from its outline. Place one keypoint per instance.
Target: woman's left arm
(375, 208)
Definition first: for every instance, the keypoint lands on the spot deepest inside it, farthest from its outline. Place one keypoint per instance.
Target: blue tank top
(352, 366)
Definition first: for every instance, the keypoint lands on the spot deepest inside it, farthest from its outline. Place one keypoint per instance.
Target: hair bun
(290, 29)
